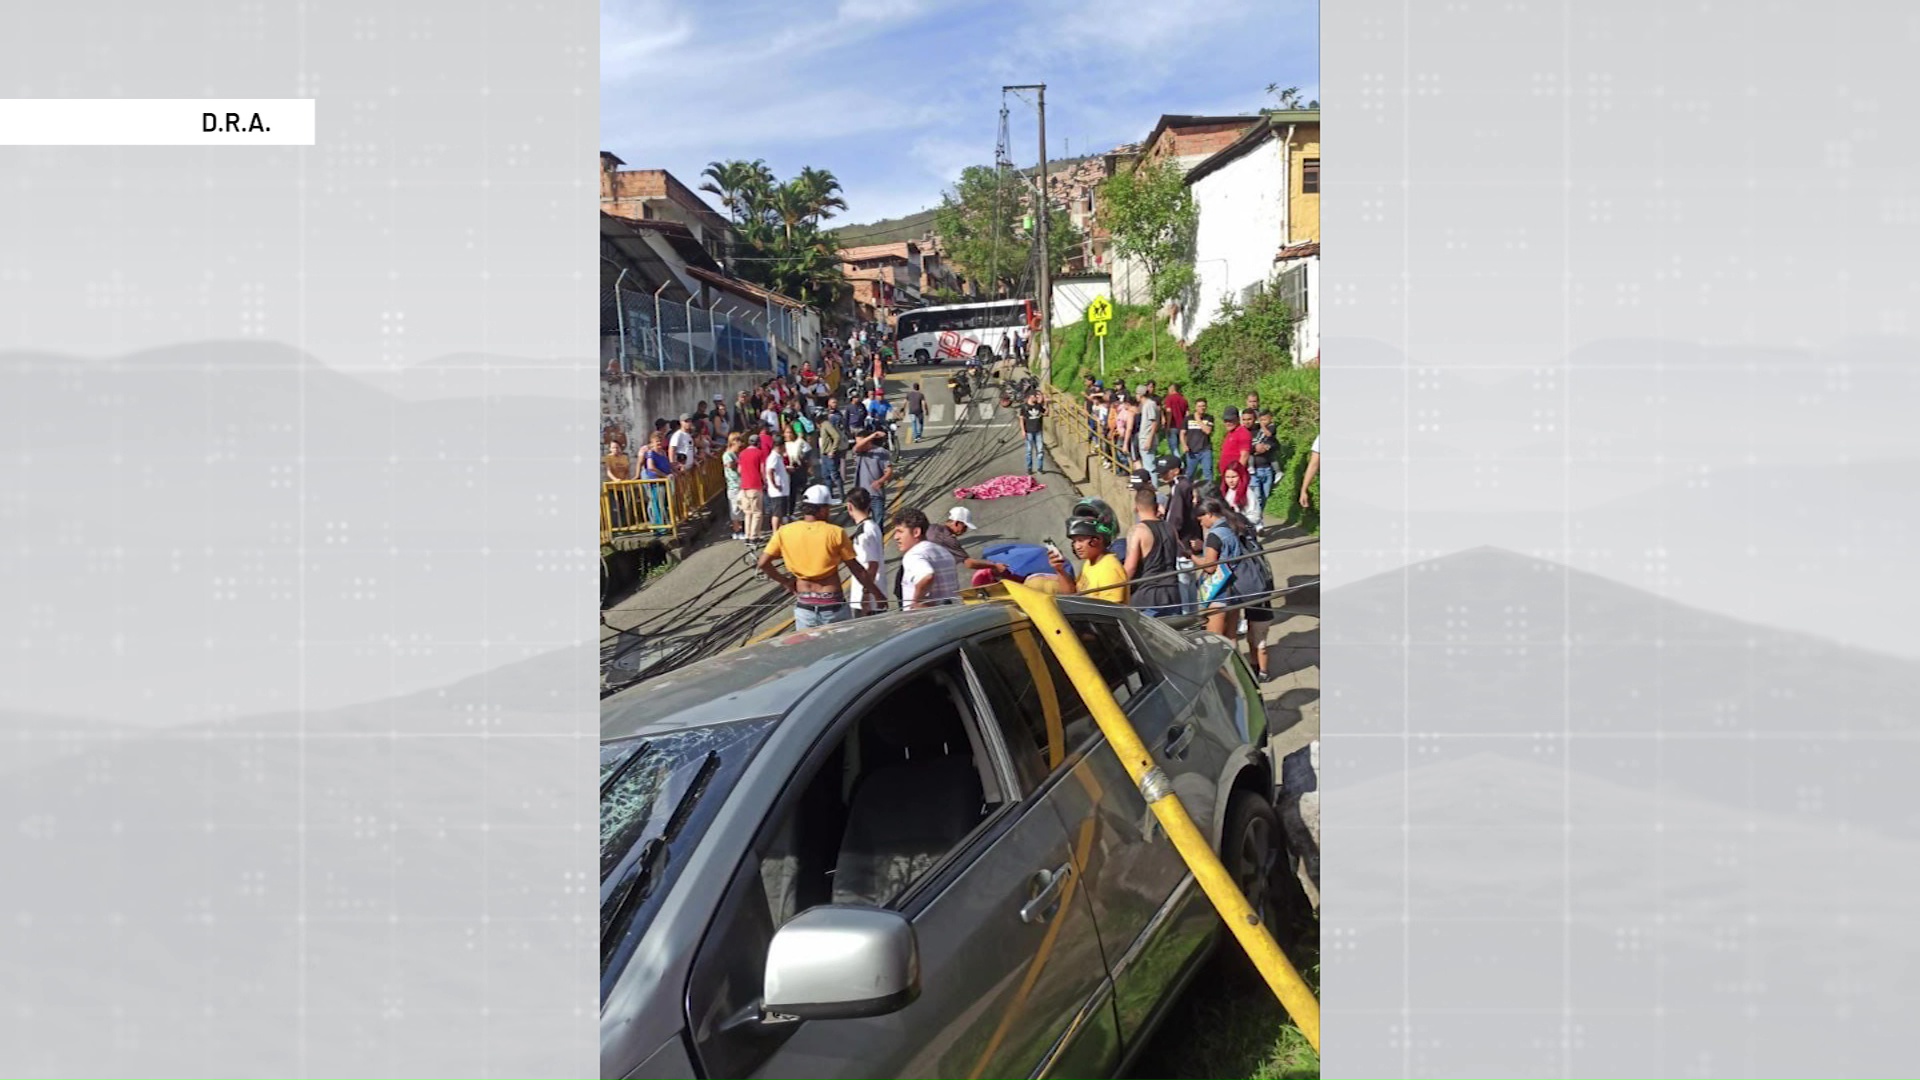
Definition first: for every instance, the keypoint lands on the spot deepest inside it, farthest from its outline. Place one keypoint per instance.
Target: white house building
(1259, 227)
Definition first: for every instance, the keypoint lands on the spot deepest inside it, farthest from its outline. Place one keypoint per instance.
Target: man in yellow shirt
(814, 549)
(1099, 569)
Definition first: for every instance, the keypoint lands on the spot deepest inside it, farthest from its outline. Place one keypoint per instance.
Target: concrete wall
(1243, 218)
(1070, 299)
(1070, 451)
(1129, 278)
(630, 403)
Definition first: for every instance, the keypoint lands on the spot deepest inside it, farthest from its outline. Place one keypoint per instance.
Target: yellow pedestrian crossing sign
(1100, 311)
(1100, 328)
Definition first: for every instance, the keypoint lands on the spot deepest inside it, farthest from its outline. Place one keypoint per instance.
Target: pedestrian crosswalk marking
(940, 413)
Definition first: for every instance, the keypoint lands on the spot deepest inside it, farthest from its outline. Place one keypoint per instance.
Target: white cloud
(872, 89)
(633, 35)
(878, 10)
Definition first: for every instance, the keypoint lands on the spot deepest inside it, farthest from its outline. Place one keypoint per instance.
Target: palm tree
(821, 191)
(732, 181)
(779, 225)
(788, 206)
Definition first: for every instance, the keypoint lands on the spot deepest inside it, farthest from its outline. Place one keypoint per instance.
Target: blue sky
(896, 96)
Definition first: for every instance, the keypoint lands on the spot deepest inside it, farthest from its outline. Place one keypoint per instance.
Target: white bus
(958, 331)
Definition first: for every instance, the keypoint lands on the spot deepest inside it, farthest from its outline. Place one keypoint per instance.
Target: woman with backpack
(1259, 613)
(1233, 587)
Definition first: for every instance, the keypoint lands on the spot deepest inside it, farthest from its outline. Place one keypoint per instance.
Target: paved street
(963, 446)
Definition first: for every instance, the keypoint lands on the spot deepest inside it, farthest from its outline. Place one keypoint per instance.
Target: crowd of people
(1136, 429)
(1183, 553)
(779, 438)
(1192, 547)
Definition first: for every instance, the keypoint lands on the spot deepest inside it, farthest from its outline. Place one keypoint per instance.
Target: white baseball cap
(817, 495)
(962, 515)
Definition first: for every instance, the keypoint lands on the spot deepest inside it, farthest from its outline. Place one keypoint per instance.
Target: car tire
(1254, 851)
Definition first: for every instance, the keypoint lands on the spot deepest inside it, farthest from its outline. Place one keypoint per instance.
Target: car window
(1040, 714)
(1114, 655)
(904, 783)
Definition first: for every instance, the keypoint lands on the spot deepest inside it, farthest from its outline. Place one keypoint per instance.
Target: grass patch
(1228, 1024)
(1292, 392)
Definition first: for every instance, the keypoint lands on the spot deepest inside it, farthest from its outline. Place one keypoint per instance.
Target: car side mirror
(839, 962)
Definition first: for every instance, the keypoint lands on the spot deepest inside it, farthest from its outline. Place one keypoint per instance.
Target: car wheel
(1253, 851)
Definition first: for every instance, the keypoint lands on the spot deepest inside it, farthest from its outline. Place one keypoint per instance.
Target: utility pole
(1045, 334)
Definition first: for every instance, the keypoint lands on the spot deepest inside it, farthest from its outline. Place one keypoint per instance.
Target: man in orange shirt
(814, 549)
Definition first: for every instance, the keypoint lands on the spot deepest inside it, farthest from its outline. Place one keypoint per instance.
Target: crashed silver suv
(900, 846)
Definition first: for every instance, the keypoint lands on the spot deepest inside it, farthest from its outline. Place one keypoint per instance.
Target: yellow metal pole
(1155, 787)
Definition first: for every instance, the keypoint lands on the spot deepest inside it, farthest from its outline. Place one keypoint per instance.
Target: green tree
(737, 183)
(820, 191)
(981, 226)
(1289, 97)
(1245, 341)
(781, 245)
(1150, 213)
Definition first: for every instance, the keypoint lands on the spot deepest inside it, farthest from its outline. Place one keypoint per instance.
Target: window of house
(1310, 176)
(1292, 287)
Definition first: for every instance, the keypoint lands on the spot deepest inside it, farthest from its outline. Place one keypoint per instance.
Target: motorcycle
(960, 386)
(1020, 391)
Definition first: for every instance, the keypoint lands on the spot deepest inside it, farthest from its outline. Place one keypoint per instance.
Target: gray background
(1620, 654)
(297, 458)
(296, 691)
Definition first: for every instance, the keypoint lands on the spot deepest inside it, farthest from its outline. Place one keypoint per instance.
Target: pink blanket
(1000, 487)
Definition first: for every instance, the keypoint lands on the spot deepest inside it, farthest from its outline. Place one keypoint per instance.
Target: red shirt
(753, 462)
(1176, 409)
(1233, 450)
(766, 444)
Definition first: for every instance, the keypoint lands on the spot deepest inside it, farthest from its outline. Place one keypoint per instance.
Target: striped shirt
(923, 560)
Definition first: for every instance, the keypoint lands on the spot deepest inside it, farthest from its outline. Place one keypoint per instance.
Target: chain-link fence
(642, 332)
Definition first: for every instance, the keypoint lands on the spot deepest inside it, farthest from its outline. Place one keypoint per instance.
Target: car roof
(768, 678)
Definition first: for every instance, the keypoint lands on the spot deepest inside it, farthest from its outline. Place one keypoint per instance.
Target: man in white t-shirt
(928, 572)
(680, 445)
(777, 486)
(869, 549)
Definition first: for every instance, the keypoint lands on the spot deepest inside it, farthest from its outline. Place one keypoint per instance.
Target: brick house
(886, 279)
(656, 195)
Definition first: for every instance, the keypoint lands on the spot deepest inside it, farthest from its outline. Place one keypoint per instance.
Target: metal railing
(641, 332)
(659, 506)
(1074, 426)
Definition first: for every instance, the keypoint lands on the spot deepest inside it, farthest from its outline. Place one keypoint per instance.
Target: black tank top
(1164, 592)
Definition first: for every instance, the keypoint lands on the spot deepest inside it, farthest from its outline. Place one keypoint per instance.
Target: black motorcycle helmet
(1084, 527)
(1093, 517)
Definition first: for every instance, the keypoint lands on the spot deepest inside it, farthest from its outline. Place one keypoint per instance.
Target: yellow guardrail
(1074, 426)
(1157, 790)
(659, 506)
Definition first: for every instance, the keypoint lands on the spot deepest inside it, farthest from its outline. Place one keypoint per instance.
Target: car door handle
(1050, 882)
(1178, 738)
